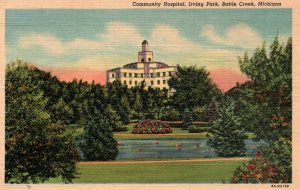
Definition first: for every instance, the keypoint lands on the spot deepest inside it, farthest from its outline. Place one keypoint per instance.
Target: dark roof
(145, 42)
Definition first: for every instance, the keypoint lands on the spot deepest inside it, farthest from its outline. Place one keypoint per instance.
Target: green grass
(129, 127)
(155, 137)
(202, 172)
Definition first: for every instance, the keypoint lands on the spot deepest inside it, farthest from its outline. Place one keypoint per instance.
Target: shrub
(258, 170)
(97, 142)
(152, 127)
(197, 129)
(199, 113)
(273, 164)
(171, 115)
(194, 129)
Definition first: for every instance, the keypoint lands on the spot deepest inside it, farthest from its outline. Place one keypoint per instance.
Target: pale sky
(85, 43)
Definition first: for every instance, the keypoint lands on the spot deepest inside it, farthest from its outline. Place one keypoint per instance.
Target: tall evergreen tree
(227, 134)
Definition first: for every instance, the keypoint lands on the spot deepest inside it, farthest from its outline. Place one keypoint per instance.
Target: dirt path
(162, 161)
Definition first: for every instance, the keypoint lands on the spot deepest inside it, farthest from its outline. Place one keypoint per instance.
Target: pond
(173, 149)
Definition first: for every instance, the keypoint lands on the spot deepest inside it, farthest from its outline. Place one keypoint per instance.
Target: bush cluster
(152, 127)
(258, 170)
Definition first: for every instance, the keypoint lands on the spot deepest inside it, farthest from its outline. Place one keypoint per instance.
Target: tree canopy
(193, 87)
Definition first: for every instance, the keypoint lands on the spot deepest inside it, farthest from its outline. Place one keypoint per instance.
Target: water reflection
(173, 148)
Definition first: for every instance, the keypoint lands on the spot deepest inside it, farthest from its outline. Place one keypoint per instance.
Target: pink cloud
(226, 78)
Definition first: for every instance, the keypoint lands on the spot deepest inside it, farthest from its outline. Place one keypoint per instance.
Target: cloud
(167, 38)
(239, 35)
(120, 33)
(283, 38)
(50, 43)
(116, 34)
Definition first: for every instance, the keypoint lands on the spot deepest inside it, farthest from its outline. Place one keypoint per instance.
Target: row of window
(142, 75)
(152, 82)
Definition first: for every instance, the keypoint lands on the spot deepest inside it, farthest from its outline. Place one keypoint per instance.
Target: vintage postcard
(149, 94)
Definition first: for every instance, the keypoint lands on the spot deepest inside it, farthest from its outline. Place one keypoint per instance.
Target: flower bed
(258, 170)
(152, 127)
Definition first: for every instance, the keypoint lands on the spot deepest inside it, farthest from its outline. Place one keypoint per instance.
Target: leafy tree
(193, 87)
(113, 118)
(61, 112)
(268, 99)
(270, 88)
(124, 110)
(97, 142)
(35, 149)
(138, 104)
(227, 134)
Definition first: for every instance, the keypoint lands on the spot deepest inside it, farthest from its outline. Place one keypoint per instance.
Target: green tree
(113, 119)
(269, 91)
(97, 142)
(138, 106)
(213, 110)
(61, 112)
(268, 99)
(187, 118)
(35, 149)
(124, 110)
(227, 134)
(193, 87)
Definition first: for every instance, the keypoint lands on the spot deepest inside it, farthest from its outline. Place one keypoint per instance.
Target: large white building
(155, 74)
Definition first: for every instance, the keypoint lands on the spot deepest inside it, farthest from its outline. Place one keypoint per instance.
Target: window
(158, 82)
(170, 73)
(130, 82)
(135, 75)
(134, 66)
(113, 75)
(142, 60)
(135, 82)
(125, 74)
(164, 81)
(149, 59)
(151, 75)
(124, 81)
(158, 74)
(130, 74)
(152, 82)
(142, 75)
(164, 74)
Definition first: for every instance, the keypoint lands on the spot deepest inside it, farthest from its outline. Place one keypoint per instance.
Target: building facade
(153, 73)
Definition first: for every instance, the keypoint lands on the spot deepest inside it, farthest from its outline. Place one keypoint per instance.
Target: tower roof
(145, 42)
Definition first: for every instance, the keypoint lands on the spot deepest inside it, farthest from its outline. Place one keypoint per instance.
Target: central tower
(145, 55)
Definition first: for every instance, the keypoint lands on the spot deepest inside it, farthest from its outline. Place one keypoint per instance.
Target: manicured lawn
(201, 172)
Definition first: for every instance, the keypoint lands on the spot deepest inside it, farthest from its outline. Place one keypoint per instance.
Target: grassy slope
(203, 172)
